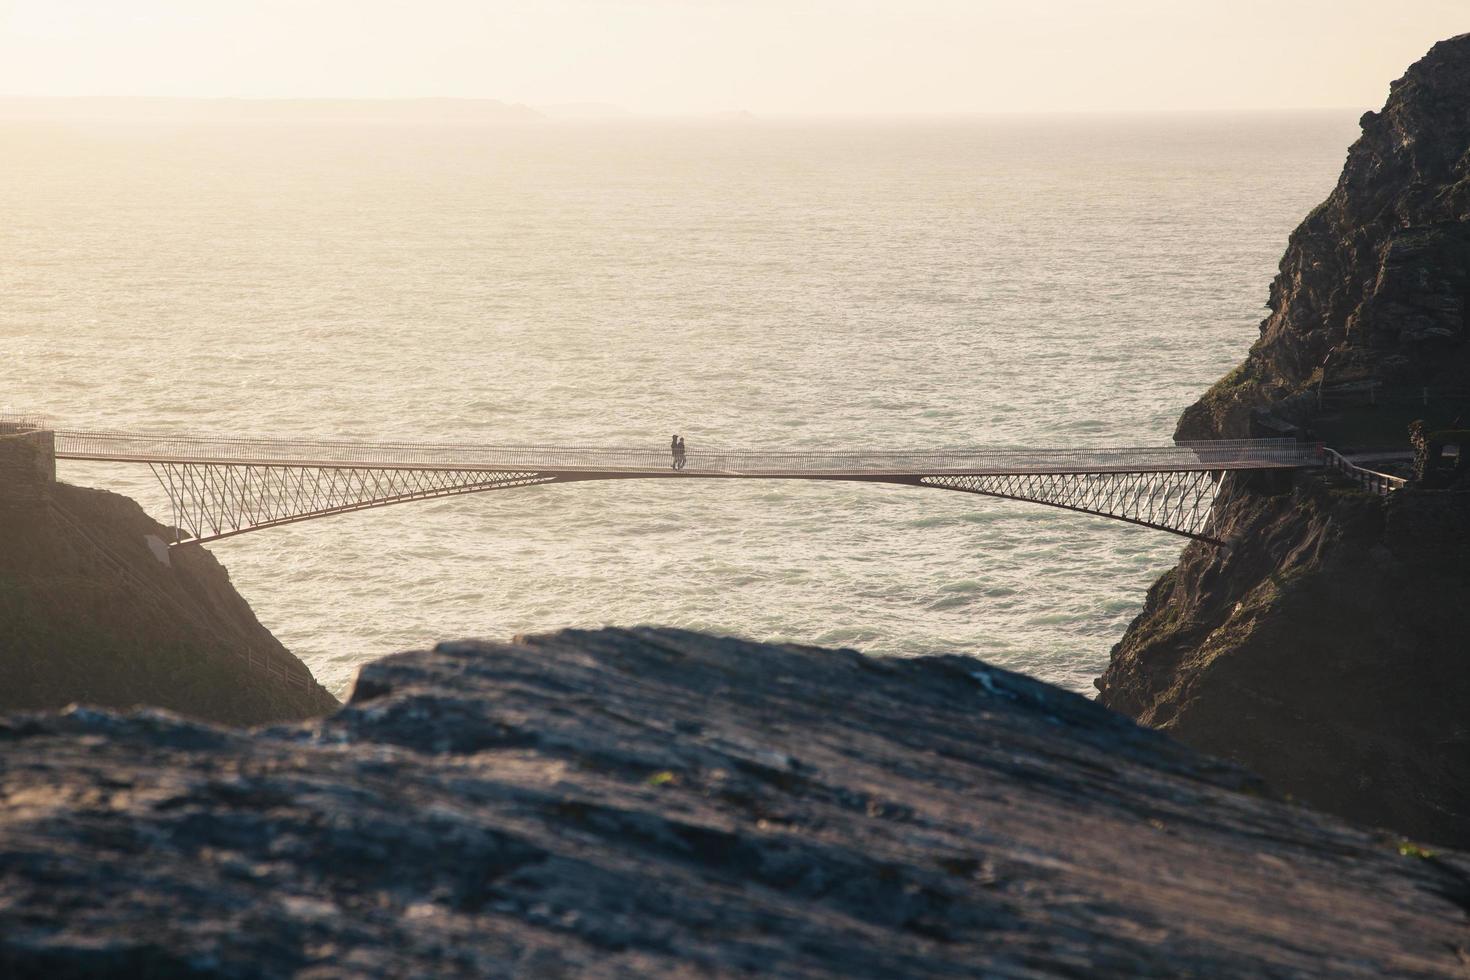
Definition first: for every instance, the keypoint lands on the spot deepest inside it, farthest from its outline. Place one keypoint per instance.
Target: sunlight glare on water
(1042, 282)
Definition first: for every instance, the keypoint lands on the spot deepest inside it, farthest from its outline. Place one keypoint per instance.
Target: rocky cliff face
(1325, 648)
(1325, 651)
(95, 609)
(662, 803)
(1375, 283)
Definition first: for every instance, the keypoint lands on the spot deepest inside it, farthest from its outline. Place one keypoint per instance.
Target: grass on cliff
(1236, 379)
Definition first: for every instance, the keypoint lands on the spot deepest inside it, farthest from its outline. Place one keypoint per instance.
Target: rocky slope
(94, 609)
(659, 803)
(1325, 649)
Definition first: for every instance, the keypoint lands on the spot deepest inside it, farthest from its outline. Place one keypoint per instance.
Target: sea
(1047, 281)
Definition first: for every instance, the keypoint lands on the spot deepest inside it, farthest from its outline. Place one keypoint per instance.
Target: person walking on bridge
(679, 455)
(674, 451)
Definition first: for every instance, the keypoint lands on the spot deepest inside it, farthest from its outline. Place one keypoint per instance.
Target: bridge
(221, 486)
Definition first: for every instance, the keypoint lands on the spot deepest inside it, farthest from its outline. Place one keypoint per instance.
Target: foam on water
(1009, 282)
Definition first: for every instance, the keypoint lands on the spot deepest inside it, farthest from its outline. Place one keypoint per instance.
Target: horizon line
(611, 111)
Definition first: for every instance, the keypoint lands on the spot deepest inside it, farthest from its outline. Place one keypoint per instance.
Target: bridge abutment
(27, 465)
(1266, 483)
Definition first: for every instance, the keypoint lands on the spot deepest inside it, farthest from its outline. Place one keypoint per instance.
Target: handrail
(1378, 393)
(21, 423)
(119, 446)
(1371, 480)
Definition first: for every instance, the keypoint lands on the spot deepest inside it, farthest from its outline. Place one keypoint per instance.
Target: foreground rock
(656, 802)
(1325, 649)
(94, 608)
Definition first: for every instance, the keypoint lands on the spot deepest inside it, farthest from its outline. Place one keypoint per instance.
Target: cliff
(1325, 647)
(663, 803)
(1374, 287)
(94, 608)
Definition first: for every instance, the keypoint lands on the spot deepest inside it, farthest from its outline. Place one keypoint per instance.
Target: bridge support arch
(1180, 502)
(210, 501)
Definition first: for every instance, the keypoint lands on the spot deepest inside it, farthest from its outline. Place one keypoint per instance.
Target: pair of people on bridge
(676, 447)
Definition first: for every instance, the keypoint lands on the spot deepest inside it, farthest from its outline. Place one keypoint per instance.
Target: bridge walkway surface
(151, 448)
(223, 486)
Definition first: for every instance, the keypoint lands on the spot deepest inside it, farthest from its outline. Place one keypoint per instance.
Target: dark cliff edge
(1326, 648)
(94, 609)
(663, 803)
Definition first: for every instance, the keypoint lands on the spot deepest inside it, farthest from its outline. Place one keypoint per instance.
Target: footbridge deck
(132, 447)
(223, 486)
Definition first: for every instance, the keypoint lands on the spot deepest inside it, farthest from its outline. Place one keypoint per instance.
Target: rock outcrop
(1375, 283)
(94, 608)
(1325, 648)
(658, 803)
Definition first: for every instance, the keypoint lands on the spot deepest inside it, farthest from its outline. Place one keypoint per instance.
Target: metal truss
(213, 500)
(218, 500)
(1179, 501)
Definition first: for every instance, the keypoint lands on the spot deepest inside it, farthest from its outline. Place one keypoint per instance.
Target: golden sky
(766, 56)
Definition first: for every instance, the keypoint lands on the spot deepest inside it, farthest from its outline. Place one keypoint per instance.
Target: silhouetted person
(679, 457)
(674, 451)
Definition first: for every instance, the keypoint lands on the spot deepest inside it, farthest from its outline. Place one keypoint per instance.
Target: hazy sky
(766, 56)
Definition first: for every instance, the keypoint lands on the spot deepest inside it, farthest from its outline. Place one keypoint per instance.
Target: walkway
(223, 486)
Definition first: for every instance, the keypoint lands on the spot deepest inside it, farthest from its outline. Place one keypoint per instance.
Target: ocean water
(1013, 281)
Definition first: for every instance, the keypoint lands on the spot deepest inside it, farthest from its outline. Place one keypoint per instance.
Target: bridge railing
(155, 447)
(10, 423)
(1377, 393)
(1370, 480)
